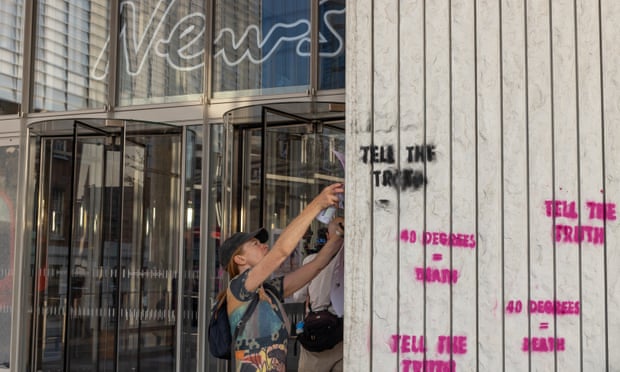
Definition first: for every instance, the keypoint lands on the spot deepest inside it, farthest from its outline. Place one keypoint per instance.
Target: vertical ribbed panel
(482, 185)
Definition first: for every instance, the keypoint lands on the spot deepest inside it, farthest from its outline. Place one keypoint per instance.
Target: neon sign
(182, 50)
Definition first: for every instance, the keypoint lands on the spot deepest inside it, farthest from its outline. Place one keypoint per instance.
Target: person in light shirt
(324, 293)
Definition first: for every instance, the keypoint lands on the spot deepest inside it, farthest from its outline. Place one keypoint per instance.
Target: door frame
(38, 132)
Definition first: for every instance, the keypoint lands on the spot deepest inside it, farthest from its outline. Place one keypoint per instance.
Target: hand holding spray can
(327, 214)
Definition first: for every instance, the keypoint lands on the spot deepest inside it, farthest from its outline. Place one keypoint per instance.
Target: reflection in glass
(211, 239)
(294, 161)
(149, 253)
(11, 56)
(8, 192)
(70, 56)
(332, 44)
(53, 255)
(261, 47)
(161, 51)
(191, 248)
(90, 255)
(107, 254)
(298, 163)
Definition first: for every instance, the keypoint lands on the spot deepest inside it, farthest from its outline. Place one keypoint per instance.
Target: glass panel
(332, 44)
(149, 253)
(71, 55)
(261, 47)
(93, 254)
(11, 56)
(33, 230)
(9, 161)
(53, 245)
(330, 154)
(161, 51)
(215, 274)
(251, 176)
(77, 254)
(300, 160)
(289, 183)
(107, 247)
(191, 254)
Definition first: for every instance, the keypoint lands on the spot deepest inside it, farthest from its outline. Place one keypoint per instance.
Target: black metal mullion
(263, 152)
(67, 329)
(118, 253)
(314, 47)
(102, 206)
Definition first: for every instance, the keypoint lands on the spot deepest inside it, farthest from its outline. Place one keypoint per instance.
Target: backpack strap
(283, 316)
(239, 328)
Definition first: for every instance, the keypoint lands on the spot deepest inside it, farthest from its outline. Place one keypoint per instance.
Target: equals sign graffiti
(437, 256)
(544, 325)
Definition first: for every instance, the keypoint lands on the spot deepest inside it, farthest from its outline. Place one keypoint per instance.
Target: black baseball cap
(231, 244)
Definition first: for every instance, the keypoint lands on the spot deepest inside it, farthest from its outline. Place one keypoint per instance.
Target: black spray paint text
(385, 154)
(404, 179)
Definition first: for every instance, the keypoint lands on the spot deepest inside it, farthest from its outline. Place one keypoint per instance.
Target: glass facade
(68, 63)
(161, 51)
(11, 56)
(122, 218)
(9, 154)
(106, 247)
(258, 47)
(261, 47)
(264, 47)
(215, 214)
(190, 277)
(332, 44)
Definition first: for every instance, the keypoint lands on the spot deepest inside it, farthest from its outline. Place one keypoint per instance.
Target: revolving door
(282, 157)
(277, 158)
(104, 260)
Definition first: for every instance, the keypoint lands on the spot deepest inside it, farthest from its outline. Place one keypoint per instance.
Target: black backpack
(220, 338)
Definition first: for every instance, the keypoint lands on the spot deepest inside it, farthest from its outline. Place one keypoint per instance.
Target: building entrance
(106, 220)
(285, 161)
(281, 156)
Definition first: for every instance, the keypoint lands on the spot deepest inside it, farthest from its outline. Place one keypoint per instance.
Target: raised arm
(300, 277)
(285, 245)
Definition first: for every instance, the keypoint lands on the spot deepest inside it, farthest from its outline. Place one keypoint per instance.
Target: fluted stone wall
(483, 176)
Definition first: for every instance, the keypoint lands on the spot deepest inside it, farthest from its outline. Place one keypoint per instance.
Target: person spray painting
(250, 263)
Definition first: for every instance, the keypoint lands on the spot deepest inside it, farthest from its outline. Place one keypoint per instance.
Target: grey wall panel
(411, 81)
(514, 184)
(591, 185)
(610, 13)
(540, 165)
(437, 300)
(488, 189)
(565, 183)
(461, 258)
(381, 158)
(358, 336)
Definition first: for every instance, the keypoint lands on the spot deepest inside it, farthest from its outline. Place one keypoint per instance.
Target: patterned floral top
(262, 344)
